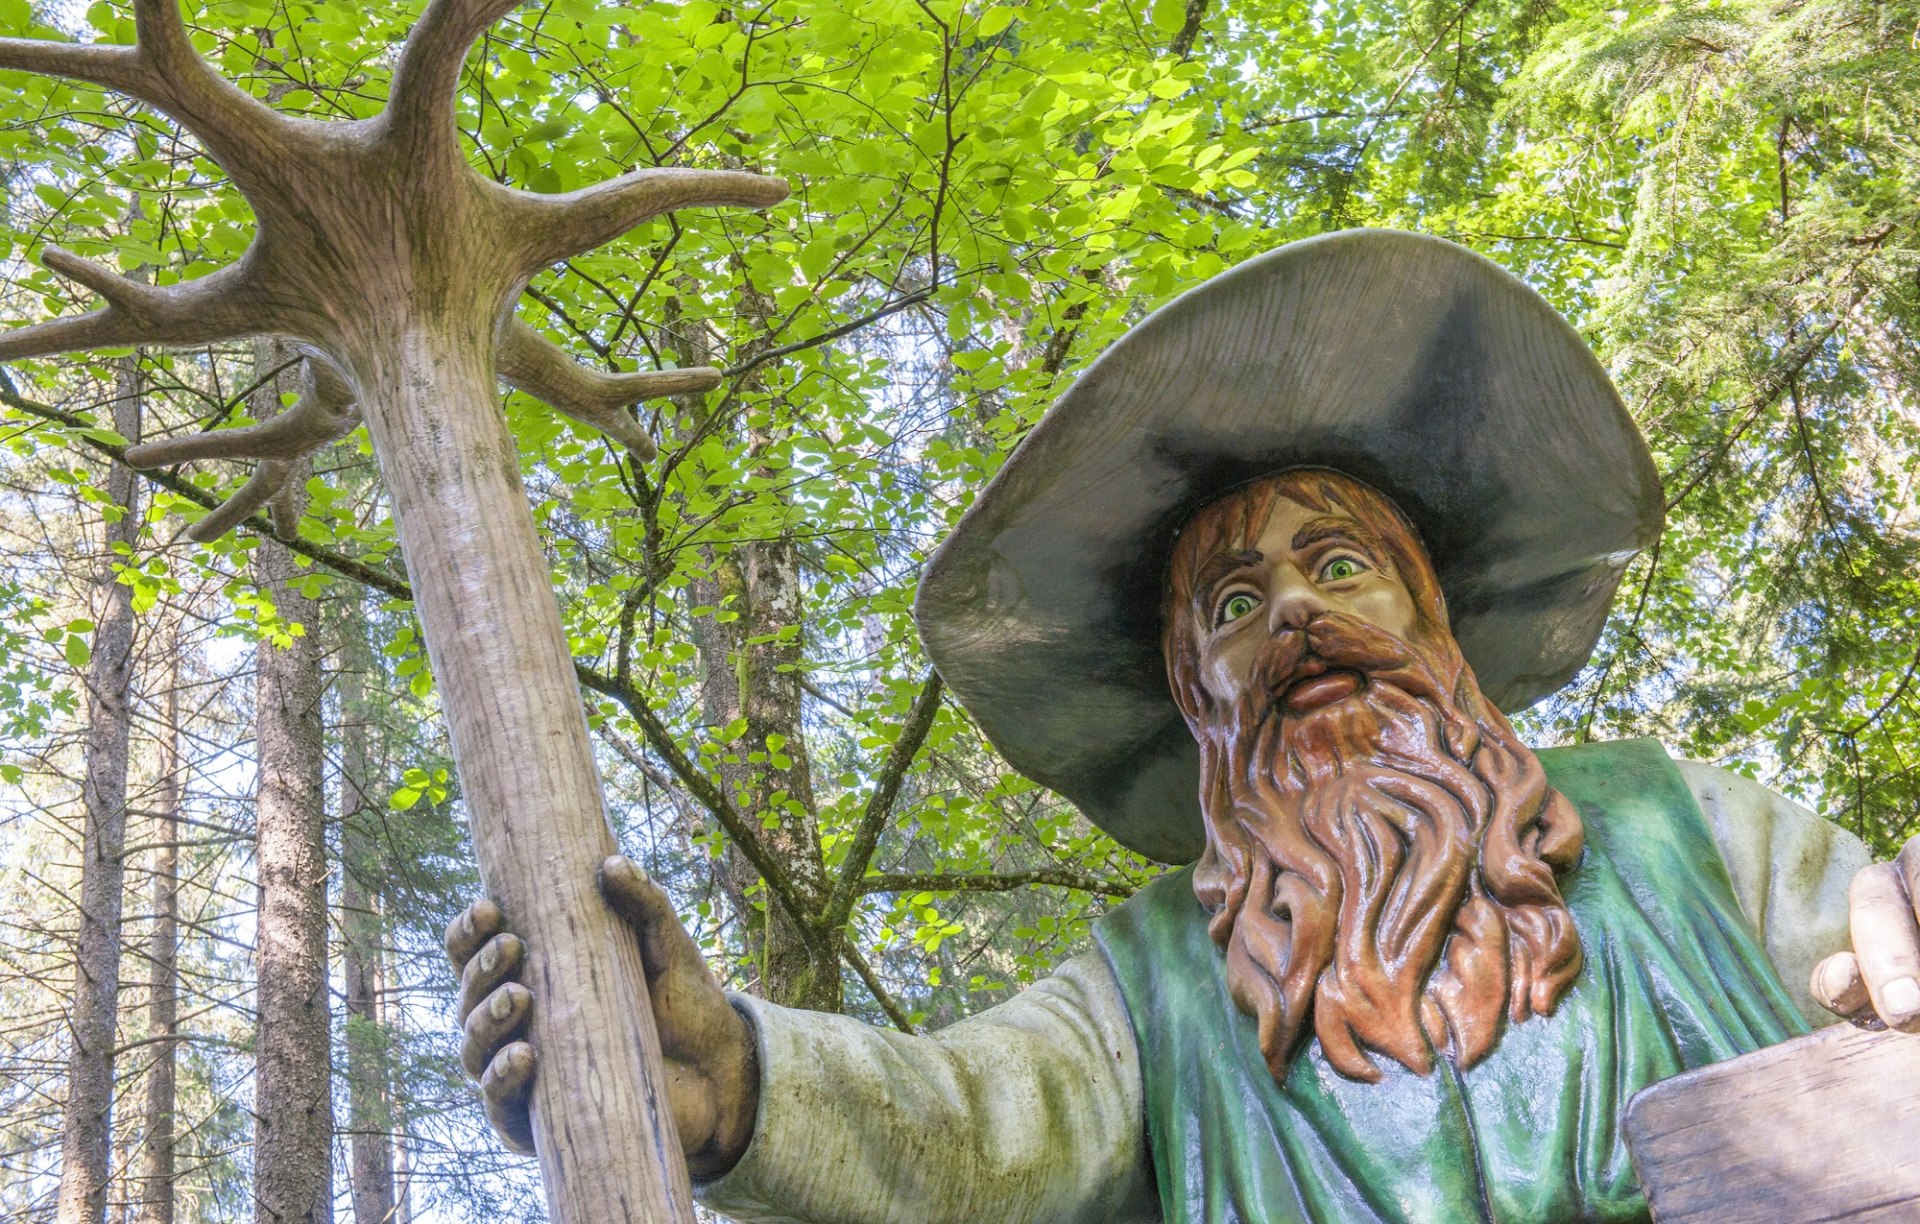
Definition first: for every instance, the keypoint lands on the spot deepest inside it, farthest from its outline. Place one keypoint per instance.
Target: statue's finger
(498, 961)
(1886, 940)
(504, 1090)
(1838, 986)
(665, 946)
(493, 1024)
(690, 1009)
(476, 924)
(1908, 863)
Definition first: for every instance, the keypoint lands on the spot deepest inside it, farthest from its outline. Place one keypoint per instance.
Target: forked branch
(544, 370)
(567, 223)
(219, 306)
(269, 479)
(163, 70)
(324, 413)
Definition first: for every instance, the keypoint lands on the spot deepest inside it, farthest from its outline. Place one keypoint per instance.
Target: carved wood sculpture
(395, 265)
(1820, 1128)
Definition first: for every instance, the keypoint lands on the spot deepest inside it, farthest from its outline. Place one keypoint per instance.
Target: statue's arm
(1030, 1111)
(1790, 869)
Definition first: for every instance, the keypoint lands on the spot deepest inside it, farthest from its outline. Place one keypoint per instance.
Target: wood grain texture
(1825, 1127)
(392, 263)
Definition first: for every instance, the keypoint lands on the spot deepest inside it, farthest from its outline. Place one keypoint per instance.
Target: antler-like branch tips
(424, 80)
(118, 68)
(219, 306)
(285, 510)
(162, 37)
(324, 413)
(81, 333)
(557, 226)
(238, 130)
(262, 487)
(547, 372)
(103, 281)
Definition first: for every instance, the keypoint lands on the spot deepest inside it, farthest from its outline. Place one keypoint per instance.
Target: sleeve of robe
(1790, 871)
(1028, 1112)
(1031, 1111)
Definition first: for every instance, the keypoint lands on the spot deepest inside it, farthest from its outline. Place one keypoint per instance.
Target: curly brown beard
(1384, 864)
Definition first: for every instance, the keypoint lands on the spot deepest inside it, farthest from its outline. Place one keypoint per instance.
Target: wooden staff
(395, 266)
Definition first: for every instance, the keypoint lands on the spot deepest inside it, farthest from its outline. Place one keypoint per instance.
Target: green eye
(1339, 568)
(1236, 607)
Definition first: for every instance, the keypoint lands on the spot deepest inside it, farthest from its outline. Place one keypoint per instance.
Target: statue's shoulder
(1629, 786)
(1624, 761)
(1161, 925)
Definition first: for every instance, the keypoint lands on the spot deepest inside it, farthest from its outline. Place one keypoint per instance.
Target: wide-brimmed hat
(1401, 359)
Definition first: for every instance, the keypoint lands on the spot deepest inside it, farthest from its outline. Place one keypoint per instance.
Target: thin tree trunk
(155, 1200)
(402, 1155)
(86, 1125)
(750, 671)
(743, 678)
(293, 1107)
(369, 1113)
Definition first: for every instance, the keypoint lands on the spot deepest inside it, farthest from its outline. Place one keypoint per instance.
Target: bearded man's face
(1305, 564)
(1381, 848)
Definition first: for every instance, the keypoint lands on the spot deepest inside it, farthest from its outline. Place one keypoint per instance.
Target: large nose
(1293, 599)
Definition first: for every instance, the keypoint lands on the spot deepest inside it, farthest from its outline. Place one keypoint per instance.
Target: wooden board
(1825, 1127)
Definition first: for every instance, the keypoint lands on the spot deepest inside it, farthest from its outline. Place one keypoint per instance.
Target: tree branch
(557, 226)
(960, 881)
(831, 334)
(1770, 387)
(420, 101)
(847, 888)
(887, 1003)
(1190, 24)
(219, 306)
(544, 370)
(703, 788)
(390, 585)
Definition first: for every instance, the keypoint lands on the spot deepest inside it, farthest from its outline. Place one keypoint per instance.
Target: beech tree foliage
(1723, 197)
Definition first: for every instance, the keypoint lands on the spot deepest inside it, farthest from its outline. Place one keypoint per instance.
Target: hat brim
(1401, 359)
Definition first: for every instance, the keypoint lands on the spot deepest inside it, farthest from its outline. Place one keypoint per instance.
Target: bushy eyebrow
(1328, 526)
(1219, 565)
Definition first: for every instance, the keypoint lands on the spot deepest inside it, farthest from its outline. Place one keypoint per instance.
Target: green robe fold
(1674, 978)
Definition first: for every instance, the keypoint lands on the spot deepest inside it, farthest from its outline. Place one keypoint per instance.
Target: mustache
(1335, 641)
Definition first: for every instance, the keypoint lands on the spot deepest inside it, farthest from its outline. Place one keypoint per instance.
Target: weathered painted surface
(1823, 1128)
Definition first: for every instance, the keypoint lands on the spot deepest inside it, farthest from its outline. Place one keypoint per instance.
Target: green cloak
(1675, 978)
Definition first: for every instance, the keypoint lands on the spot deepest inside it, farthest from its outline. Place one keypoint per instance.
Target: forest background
(1723, 196)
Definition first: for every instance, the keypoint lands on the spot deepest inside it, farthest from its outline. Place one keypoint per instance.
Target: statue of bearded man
(1254, 596)
(1381, 848)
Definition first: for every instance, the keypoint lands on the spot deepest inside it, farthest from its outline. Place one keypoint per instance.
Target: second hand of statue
(713, 1079)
